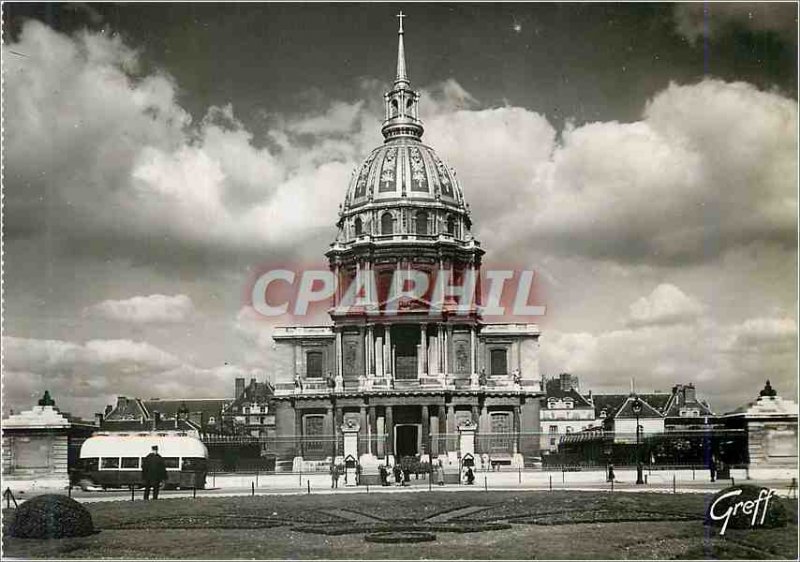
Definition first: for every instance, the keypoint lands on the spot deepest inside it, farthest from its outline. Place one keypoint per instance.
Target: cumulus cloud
(145, 309)
(726, 361)
(667, 304)
(710, 167)
(695, 20)
(82, 377)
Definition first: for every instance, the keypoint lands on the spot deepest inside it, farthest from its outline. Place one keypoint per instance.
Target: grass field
(473, 525)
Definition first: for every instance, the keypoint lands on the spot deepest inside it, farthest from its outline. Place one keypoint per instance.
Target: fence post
(673, 483)
(194, 492)
(309, 486)
(563, 476)
(256, 477)
(214, 479)
(69, 491)
(300, 479)
(612, 484)
(692, 472)
(519, 472)
(485, 484)
(132, 498)
(551, 482)
(733, 482)
(252, 488)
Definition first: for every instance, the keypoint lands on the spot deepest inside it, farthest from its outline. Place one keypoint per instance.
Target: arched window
(451, 226)
(394, 108)
(387, 223)
(359, 226)
(422, 223)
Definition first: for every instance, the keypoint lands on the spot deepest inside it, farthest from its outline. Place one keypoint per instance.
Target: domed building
(408, 368)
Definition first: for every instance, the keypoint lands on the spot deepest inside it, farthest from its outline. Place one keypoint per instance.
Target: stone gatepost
(466, 439)
(350, 433)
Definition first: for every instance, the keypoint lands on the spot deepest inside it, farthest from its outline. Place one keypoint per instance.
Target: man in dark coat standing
(154, 472)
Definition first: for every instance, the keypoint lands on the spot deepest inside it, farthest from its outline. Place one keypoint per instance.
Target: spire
(402, 76)
(402, 111)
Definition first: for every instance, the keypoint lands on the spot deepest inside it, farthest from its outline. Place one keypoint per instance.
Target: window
(499, 363)
(359, 226)
(551, 403)
(109, 462)
(130, 462)
(90, 465)
(568, 403)
(422, 223)
(451, 226)
(553, 429)
(171, 462)
(387, 223)
(314, 364)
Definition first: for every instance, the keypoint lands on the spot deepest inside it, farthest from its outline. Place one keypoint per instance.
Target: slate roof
(673, 406)
(134, 426)
(168, 407)
(553, 390)
(613, 402)
(626, 410)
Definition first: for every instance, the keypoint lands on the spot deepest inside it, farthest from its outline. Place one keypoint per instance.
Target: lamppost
(637, 409)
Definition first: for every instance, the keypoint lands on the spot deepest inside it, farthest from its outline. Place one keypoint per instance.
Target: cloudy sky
(641, 158)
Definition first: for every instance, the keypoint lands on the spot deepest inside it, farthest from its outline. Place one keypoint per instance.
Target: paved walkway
(685, 481)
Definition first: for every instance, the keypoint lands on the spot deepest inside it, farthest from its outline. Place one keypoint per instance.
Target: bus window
(171, 462)
(194, 463)
(130, 462)
(109, 462)
(90, 465)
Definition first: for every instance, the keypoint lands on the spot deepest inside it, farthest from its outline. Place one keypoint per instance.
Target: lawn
(475, 525)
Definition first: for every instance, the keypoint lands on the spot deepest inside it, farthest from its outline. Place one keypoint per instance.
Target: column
(387, 351)
(472, 341)
(372, 433)
(371, 350)
(339, 354)
(338, 420)
(516, 429)
(448, 337)
(337, 290)
(423, 333)
(425, 430)
(330, 429)
(475, 414)
(362, 433)
(442, 429)
(451, 428)
(378, 354)
(365, 340)
(298, 432)
(389, 431)
(380, 432)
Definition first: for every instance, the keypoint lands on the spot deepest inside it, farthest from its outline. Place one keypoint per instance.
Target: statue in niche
(462, 358)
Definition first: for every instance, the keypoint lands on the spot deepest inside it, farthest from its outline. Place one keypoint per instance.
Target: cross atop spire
(402, 76)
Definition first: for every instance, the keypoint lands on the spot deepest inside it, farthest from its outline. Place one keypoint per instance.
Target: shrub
(51, 516)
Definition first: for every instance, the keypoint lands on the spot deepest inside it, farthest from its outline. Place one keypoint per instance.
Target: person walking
(154, 472)
(611, 475)
(440, 473)
(398, 475)
(712, 469)
(334, 475)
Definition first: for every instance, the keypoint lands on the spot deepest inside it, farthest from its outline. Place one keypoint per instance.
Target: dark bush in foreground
(777, 515)
(51, 516)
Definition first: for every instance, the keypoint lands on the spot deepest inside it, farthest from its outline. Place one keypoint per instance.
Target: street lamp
(637, 409)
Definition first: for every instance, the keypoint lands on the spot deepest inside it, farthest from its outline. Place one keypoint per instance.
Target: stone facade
(407, 370)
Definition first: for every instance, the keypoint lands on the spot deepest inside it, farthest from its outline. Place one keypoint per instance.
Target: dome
(405, 170)
(403, 191)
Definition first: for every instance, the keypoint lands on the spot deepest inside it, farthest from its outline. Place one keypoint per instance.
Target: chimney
(154, 421)
(108, 410)
(239, 388)
(689, 393)
(98, 419)
(566, 381)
